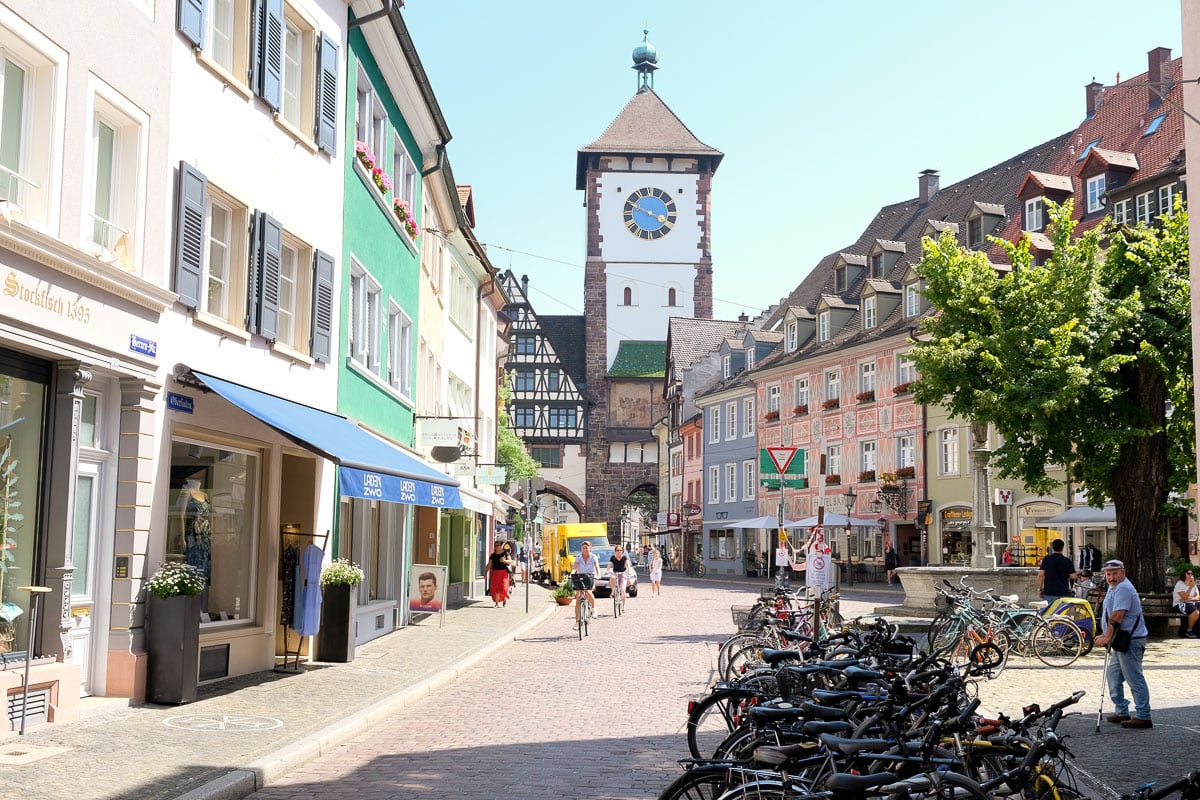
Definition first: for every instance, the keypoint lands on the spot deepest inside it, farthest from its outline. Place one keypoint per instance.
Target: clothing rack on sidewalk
(290, 558)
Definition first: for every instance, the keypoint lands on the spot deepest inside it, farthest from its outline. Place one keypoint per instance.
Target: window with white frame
(1095, 193)
(714, 424)
(793, 336)
(833, 385)
(298, 97)
(749, 358)
(833, 459)
(868, 312)
(400, 355)
(774, 392)
(714, 485)
(404, 175)
(295, 293)
(726, 366)
(749, 479)
(731, 428)
(948, 451)
(823, 326)
(1033, 214)
(225, 258)
(866, 376)
(906, 369)
(29, 83)
(365, 322)
(867, 452)
(906, 451)
(1166, 200)
(801, 392)
(1122, 211)
(370, 117)
(117, 175)
(1142, 206)
(731, 482)
(227, 36)
(748, 416)
(912, 299)
(462, 301)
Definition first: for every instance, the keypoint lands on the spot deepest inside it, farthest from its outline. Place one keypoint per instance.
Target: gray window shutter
(322, 307)
(327, 87)
(190, 198)
(268, 51)
(190, 18)
(268, 240)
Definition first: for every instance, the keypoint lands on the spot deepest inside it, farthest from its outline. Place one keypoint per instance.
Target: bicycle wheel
(743, 659)
(732, 645)
(581, 623)
(616, 595)
(946, 639)
(711, 720)
(1021, 627)
(1058, 642)
(702, 782)
(700, 569)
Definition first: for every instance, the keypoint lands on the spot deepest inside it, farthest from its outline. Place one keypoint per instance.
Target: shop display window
(213, 524)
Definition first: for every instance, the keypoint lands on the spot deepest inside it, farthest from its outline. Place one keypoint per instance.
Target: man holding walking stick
(1125, 632)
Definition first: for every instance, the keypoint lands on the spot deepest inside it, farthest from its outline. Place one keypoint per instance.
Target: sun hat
(1114, 564)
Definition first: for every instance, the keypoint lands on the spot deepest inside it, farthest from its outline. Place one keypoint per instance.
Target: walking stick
(1103, 686)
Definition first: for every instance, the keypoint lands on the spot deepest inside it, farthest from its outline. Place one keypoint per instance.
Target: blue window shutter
(190, 198)
(327, 89)
(268, 52)
(268, 240)
(190, 19)
(322, 307)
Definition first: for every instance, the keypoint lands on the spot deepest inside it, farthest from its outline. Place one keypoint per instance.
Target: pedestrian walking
(498, 564)
(656, 568)
(1125, 632)
(891, 560)
(1055, 574)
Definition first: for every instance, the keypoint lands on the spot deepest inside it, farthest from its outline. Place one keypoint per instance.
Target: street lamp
(851, 496)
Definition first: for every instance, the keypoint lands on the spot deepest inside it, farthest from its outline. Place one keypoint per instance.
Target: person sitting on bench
(1187, 600)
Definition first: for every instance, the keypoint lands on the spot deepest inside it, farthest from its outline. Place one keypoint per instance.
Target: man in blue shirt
(1123, 610)
(1055, 574)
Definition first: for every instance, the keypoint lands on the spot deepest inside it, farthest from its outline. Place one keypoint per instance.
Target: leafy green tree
(1075, 363)
(510, 449)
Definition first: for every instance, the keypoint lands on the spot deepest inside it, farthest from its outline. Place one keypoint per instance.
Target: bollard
(35, 593)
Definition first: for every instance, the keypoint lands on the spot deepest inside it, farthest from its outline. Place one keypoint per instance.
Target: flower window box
(832, 402)
(866, 397)
(771, 416)
(902, 388)
(833, 480)
(800, 410)
(866, 476)
(906, 472)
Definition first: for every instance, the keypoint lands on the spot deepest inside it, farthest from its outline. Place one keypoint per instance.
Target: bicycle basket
(741, 616)
(582, 582)
(940, 601)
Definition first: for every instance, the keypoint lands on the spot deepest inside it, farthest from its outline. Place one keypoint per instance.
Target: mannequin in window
(196, 520)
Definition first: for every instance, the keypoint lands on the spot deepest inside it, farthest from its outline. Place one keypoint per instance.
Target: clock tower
(647, 184)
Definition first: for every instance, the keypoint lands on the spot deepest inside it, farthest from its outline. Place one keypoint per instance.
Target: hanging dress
(310, 594)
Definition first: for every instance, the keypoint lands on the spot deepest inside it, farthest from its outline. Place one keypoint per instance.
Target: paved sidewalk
(250, 729)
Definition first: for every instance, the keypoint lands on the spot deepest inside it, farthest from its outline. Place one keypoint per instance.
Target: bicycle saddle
(849, 747)
(818, 726)
(845, 784)
(774, 657)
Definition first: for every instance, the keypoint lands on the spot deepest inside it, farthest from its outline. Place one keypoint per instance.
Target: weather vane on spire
(645, 61)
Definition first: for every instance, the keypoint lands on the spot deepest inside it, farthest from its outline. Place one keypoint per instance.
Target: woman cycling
(586, 564)
(620, 578)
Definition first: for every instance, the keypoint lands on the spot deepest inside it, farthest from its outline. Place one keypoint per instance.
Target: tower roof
(645, 127)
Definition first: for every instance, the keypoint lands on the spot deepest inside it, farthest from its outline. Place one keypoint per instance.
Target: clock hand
(650, 213)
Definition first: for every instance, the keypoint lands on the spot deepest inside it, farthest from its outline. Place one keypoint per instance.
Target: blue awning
(369, 467)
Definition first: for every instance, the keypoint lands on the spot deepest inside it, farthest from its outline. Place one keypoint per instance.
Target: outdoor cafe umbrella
(833, 521)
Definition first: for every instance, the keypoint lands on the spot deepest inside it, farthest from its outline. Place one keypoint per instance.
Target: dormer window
(1152, 126)
(749, 358)
(868, 312)
(974, 233)
(1095, 193)
(1087, 149)
(823, 326)
(839, 279)
(1033, 214)
(877, 265)
(726, 366)
(793, 336)
(912, 299)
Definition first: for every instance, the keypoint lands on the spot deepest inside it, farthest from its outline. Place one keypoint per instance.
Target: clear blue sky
(825, 111)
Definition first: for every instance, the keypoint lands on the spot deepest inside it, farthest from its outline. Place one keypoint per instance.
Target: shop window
(722, 545)
(213, 524)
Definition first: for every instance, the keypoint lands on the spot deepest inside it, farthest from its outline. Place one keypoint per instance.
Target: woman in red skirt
(498, 563)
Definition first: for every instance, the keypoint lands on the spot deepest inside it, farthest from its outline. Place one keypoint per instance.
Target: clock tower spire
(645, 61)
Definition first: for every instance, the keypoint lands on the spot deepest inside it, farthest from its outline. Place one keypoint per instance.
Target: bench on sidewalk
(1154, 606)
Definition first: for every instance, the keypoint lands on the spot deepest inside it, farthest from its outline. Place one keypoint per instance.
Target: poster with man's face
(427, 588)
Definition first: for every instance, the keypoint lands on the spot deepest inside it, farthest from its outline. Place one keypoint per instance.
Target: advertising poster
(427, 589)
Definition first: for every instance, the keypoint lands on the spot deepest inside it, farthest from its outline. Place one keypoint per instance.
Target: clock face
(649, 213)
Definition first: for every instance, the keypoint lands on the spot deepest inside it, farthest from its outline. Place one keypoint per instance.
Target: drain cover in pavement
(17, 754)
(222, 722)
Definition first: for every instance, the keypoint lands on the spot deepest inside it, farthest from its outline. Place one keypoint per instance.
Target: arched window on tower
(627, 296)
(671, 300)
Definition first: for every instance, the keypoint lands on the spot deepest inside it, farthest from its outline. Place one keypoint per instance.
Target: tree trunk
(1139, 487)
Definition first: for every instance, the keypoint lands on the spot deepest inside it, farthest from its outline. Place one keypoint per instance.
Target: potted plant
(751, 562)
(833, 480)
(335, 637)
(830, 403)
(772, 416)
(902, 388)
(800, 410)
(564, 593)
(364, 155)
(866, 476)
(382, 181)
(866, 397)
(905, 472)
(173, 632)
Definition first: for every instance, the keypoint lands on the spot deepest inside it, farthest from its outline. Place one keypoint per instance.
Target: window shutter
(322, 307)
(327, 86)
(268, 53)
(191, 197)
(268, 240)
(190, 17)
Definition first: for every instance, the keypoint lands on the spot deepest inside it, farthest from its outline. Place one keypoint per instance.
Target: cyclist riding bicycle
(587, 566)
(619, 579)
